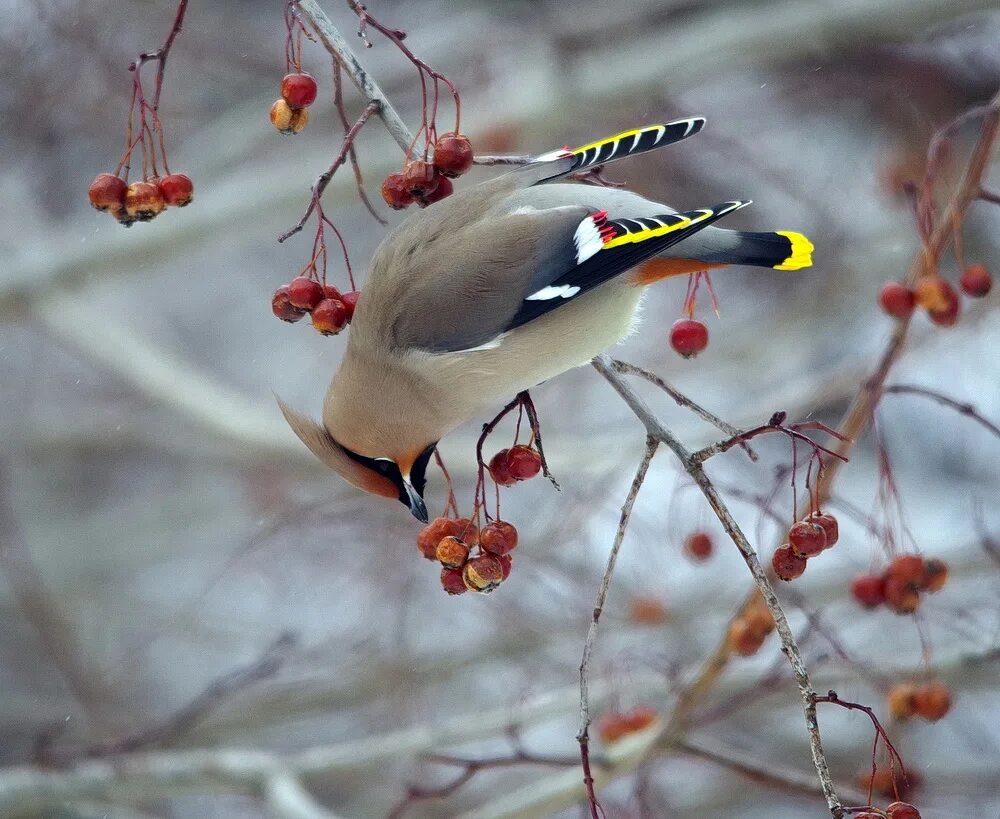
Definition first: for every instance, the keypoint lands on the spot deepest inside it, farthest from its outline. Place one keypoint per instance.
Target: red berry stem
(338, 104)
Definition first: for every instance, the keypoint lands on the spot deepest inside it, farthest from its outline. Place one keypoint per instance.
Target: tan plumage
(490, 292)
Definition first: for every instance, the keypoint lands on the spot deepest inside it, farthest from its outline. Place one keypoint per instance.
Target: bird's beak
(417, 505)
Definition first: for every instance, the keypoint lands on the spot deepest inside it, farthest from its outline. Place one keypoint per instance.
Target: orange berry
(787, 565)
(420, 178)
(499, 470)
(938, 297)
(329, 317)
(350, 302)
(467, 531)
(442, 190)
(612, 726)
(523, 462)
(830, 526)
(506, 562)
(902, 810)
(900, 596)
(807, 539)
(975, 281)
(498, 537)
(897, 300)
(107, 192)
(743, 638)
(452, 552)
(869, 590)
(483, 574)
(907, 569)
(901, 700)
(143, 201)
(452, 154)
(758, 617)
(935, 575)
(698, 546)
(305, 293)
(395, 193)
(288, 120)
(932, 701)
(433, 533)
(648, 611)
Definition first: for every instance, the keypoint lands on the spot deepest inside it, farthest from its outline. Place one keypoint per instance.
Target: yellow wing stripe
(801, 255)
(651, 233)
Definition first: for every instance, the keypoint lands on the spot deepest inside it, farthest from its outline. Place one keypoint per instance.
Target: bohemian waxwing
(500, 287)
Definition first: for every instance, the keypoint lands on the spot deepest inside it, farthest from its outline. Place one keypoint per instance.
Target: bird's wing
(505, 271)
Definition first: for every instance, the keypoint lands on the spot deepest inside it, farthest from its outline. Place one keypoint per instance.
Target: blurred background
(161, 528)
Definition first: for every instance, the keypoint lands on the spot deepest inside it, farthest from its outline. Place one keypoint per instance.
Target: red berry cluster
(140, 201)
(331, 310)
(897, 810)
(935, 294)
(613, 725)
(698, 546)
(748, 631)
(900, 586)
(688, 337)
(930, 701)
(519, 463)
(298, 92)
(451, 542)
(806, 539)
(427, 181)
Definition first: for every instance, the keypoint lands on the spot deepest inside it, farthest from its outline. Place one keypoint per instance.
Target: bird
(500, 287)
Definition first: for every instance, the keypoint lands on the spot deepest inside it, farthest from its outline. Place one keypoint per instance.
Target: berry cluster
(140, 201)
(613, 725)
(698, 546)
(806, 538)
(900, 586)
(897, 810)
(451, 542)
(935, 294)
(290, 114)
(331, 310)
(930, 701)
(748, 631)
(428, 181)
(519, 463)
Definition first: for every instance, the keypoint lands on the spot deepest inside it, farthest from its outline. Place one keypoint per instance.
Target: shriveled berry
(807, 539)
(698, 546)
(498, 537)
(483, 574)
(787, 565)
(648, 611)
(420, 178)
(177, 189)
(452, 582)
(395, 192)
(523, 462)
(506, 562)
(305, 293)
(107, 192)
(499, 470)
(329, 317)
(143, 201)
(467, 531)
(935, 575)
(688, 337)
(298, 89)
(452, 552)
(900, 700)
(743, 638)
(282, 307)
(907, 569)
(288, 120)
(830, 526)
(869, 590)
(938, 297)
(452, 154)
(932, 701)
(442, 190)
(975, 281)
(350, 301)
(901, 596)
(123, 217)
(433, 533)
(897, 300)
(902, 810)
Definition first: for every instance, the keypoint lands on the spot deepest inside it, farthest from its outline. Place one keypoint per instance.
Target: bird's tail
(567, 160)
(780, 250)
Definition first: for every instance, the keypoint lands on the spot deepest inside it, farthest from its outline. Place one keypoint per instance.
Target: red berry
(506, 562)
(305, 293)
(283, 308)
(107, 192)
(688, 337)
(648, 611)
(743, 638)
(900, 700)
(901, 596)
(830, 527)
(177, 189)
(483, 574)
(613, 726)
(331, 292)
(288, 120)
(498, 537)
(787, 565)
(935, 575)
(298, 90)
(395, 192)
(698, 546)
(499, 470)
(444, 189)
(932, 701)
(523, 462)
(143, 201)
(902, 810)
(807, 539)
(897, 300)
(452, 552)
(433, 533)
(868, 590)
(420, 178)
(350, 301)
(467, 531)
(452, 154)
(975, 281)
(452, 582)
(329, 317)
(907, 569)
(937, 296)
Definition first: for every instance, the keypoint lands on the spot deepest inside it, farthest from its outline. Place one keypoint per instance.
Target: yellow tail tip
(801, 255)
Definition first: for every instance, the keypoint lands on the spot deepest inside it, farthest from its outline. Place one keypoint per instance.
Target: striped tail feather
(780, 250)
(628, 143)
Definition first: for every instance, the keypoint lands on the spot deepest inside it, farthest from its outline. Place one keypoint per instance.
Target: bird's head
(400, 478)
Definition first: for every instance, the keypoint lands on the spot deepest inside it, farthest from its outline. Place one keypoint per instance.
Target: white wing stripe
(562, 291)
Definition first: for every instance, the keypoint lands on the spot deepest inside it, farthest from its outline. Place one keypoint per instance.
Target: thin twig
(960, 407)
